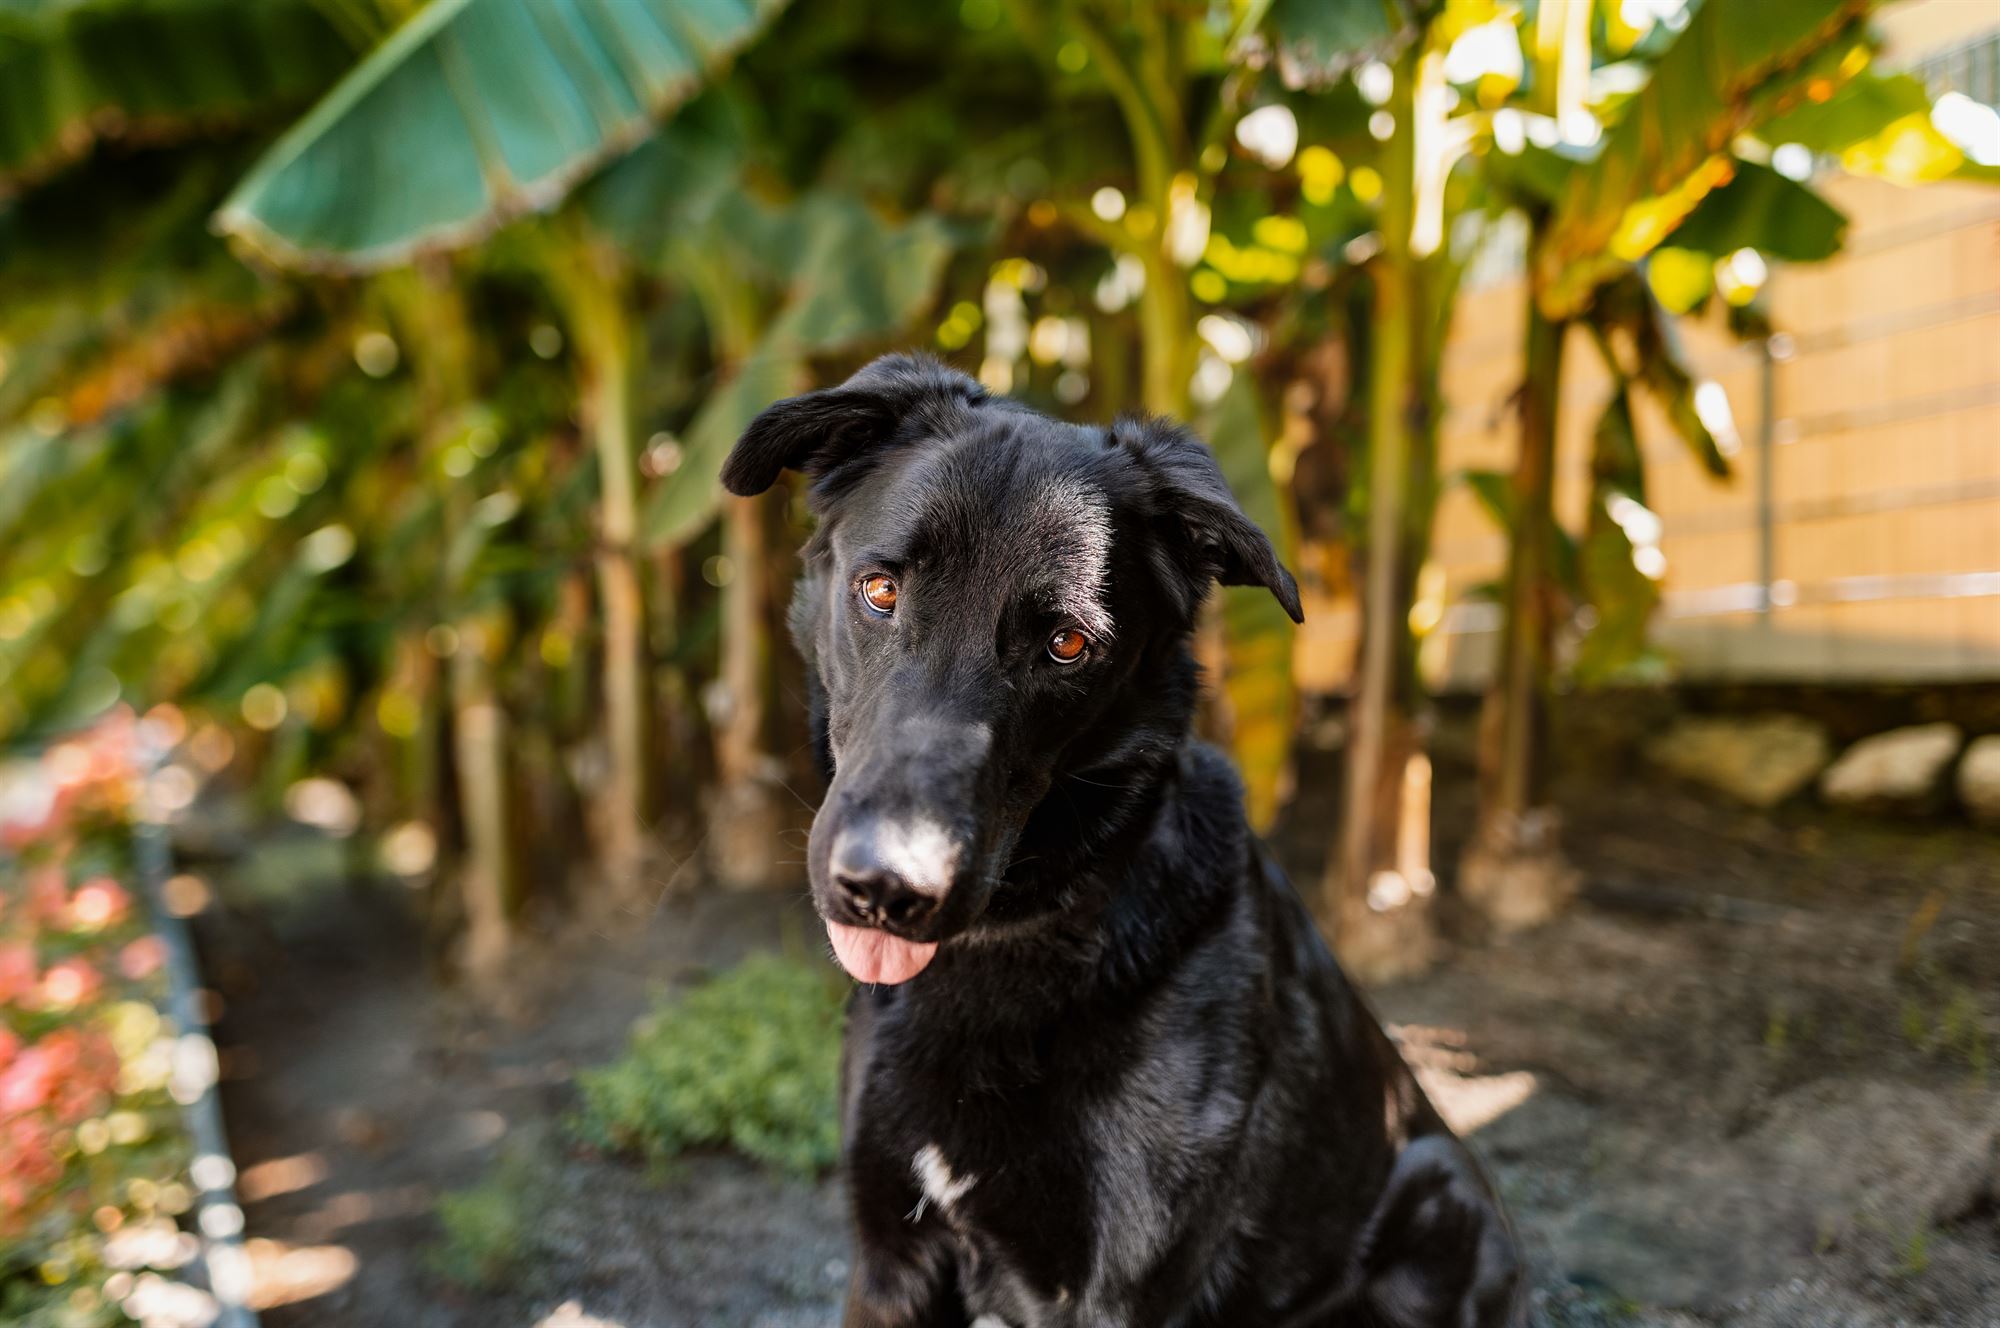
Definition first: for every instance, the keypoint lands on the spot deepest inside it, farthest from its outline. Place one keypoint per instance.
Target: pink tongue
(876, 956)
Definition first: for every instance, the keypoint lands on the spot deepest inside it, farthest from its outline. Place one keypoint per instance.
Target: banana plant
(76, 72)
(1667, 195)
(443, 100)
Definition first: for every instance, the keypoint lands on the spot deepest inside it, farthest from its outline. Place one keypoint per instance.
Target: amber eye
(879, 593)
(1067, 646)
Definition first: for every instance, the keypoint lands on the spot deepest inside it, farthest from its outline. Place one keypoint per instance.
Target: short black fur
(1131, 1086)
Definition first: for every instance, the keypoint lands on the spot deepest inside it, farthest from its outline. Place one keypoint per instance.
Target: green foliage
(1762, 210)
(71, 72)
(491, 1230)
(497, 106)
(1731, 69)
(749, 1061)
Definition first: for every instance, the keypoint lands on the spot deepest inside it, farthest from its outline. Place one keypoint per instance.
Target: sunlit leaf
(1732, 68)
(1681, 278)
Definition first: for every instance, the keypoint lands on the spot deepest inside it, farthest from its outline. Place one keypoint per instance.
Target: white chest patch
(940, 1187)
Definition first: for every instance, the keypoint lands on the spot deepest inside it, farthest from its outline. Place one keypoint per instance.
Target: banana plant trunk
(1379, 887)
(603, 331)
(747, 817)
(1513, 868)
(479, 739)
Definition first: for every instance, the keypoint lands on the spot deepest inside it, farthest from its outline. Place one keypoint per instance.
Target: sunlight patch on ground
(283, 1274)
(1470, 1104)
(353, 1207)
(570, 1314)
(281, 1175)
(1448, 1071)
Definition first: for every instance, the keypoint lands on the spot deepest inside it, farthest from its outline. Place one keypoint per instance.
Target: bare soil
(1750, 1079)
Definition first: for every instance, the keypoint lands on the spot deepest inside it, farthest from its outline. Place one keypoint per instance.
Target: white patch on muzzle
(920, 851)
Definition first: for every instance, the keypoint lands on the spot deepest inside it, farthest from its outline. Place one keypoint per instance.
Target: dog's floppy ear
(816, 433)
(1216, 540)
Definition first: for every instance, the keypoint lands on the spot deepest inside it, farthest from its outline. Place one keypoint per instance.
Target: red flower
(25, 1085)
(48, 894)
(69, 984)
(17, 971)
(98, 903)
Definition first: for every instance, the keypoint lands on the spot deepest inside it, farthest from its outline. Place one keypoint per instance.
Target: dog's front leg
(911, 1282)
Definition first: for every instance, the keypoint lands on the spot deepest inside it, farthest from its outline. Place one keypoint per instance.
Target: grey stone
(1756, 759)
(1979, 779)
(1903, 768)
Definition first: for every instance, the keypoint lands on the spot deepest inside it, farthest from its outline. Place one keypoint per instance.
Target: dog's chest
(1062, 1176)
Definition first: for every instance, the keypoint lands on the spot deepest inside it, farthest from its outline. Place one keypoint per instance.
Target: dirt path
(1752, 1084)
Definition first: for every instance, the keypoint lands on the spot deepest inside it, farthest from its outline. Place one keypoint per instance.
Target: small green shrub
(749, 1061)
(490, 1229)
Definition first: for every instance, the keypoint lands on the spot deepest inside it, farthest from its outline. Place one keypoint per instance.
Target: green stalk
(1513, 868)
(604, 337)
(1390, 933)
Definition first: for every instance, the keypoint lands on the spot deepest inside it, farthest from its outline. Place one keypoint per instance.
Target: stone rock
(1756, 759)
(1903, 768)
(1979, 779)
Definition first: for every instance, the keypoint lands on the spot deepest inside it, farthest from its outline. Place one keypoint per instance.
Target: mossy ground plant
(749, 1061)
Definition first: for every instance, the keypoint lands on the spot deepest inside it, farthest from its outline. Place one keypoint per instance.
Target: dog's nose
(877, 889)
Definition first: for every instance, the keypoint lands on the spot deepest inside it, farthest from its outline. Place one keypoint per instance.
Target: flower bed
(93, 1156)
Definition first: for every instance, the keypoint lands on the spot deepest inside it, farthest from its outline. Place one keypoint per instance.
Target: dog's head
(994, 600)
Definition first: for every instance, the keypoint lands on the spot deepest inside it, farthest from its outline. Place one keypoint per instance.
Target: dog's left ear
(1216, 539)
(895, 396)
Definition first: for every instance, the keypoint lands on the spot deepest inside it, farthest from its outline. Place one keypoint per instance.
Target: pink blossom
(69, 984)
(17, 971)
(142, 958)
(48, 894)
(25, 1084)
(98, 903)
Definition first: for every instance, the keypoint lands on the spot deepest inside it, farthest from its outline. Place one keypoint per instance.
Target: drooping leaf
(1626, 305)
(474, 112)
(1615, 459)
(858, 278)
(1622, 597)
(852, 279)
(1257, 677)
(76, 71)
(686, 501)
(1494, 493)
(1761, 209)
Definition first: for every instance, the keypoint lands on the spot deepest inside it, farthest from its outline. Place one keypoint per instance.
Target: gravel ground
(1747, 1081)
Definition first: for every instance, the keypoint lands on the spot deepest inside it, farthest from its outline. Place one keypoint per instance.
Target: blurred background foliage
(366, 367)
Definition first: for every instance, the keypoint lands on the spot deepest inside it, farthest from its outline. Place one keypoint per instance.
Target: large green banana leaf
(476, 111)
(1258, 675)
(1732, 68)
(72, 71)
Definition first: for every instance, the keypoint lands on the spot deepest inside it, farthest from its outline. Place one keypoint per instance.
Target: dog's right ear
(894, 397)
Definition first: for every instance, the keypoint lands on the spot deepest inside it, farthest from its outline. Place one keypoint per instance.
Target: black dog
(1103, 1071)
